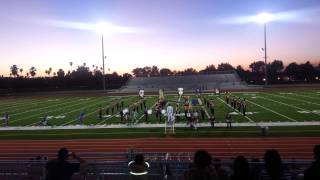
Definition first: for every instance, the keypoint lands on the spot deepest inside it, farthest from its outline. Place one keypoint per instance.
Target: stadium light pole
(103, 70)
(102, 27)
(264, 18)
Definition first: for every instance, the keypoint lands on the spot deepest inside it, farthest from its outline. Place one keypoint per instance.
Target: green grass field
(290, 106)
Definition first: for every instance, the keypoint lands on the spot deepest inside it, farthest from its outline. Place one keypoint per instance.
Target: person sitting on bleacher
(60, 168)
(202, 168)
(139, 168)
(313, 172)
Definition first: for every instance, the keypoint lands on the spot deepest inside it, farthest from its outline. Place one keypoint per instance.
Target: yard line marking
(21, 104)
(252, 121)
(272, 111)
(46, 107)
(306, 96)
(85, 115)
(64, 113)
(37, 114)
(295, 99)
(109, 100)
(288, 104)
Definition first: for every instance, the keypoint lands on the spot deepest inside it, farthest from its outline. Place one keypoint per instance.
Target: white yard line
(252, 121)
(84, 102)
(76, 119)
(295, 99)
(46, 107)
(306, 96)
(272, 111)
(62, 113)
(11, 106)
(296, 107)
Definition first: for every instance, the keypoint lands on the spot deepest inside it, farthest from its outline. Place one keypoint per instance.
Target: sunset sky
(168, 33)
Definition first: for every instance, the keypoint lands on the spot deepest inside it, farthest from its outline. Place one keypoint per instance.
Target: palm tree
(84, 64)
(14, 70)
(32, 71)
(49, 71)
(21, 70)
(71, 63)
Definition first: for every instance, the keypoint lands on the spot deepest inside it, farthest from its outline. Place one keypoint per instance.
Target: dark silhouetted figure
(138, 168)
(201, 169)
(241, 169)
(273, 165)
(221, 171)
(313, 172)
(60, 168)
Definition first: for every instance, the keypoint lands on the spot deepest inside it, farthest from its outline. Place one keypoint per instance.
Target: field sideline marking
(272, 111)
(252, 121)
(144, 132)
(83, 102)
(287, 104)
(295, 99)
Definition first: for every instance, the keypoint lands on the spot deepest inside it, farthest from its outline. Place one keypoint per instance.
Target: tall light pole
(102, 28)
(264, 18)
(265, 55)
(103, 71)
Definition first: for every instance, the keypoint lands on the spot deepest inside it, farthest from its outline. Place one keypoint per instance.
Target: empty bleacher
(223, 80)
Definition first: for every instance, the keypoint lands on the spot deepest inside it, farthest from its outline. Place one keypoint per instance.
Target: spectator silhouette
(60, 168)
(273, 165)
(241, 169)
(201, 169)
(222, 172)
(139, 168)
(313, 172)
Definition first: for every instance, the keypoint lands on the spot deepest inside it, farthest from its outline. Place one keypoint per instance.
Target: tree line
(84, 77)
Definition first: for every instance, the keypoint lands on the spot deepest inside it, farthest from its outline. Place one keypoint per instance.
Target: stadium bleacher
(162, 166)
(222, 80)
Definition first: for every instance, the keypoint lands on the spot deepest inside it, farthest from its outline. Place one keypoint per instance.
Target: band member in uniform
(6, 119)
(81, 117)
(202, 112)
(100, 113)
(44, 121)
(177, 114)
(212, 120)
(121, 116)
(112, 109)
(145, 114)
(244, 107)
(228, 120)
(212, 108)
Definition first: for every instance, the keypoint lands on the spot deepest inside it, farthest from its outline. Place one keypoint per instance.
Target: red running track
(293, 147)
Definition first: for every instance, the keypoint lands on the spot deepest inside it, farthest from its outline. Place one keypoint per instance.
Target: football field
(289, 106)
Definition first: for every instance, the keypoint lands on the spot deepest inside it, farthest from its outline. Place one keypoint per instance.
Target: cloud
(303, 16)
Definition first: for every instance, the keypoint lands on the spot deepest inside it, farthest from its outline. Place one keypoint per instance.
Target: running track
(294, 147)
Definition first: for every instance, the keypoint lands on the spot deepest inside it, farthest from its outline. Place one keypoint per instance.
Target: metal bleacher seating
(170, 166)
(222, 80)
